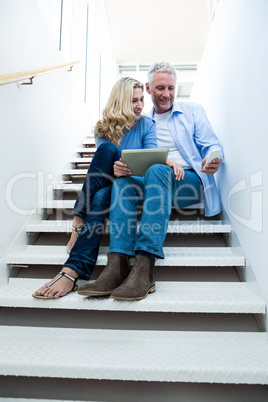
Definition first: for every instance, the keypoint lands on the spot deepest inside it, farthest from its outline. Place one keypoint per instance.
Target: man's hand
(212, 167)
(177, 169)
(121, 169)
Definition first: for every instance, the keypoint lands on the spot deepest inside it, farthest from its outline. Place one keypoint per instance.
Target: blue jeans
(93, 204)
(157, 190)
(99, 175)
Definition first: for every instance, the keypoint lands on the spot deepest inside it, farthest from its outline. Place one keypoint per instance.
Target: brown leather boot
(115, 272)
(140, 281)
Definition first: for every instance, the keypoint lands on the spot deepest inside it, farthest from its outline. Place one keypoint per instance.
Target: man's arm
(206, 140)
(177, 169)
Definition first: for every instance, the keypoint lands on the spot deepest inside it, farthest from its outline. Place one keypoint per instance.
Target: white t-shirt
(164, 139)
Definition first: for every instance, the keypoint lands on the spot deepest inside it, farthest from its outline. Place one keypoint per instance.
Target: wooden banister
(15, 77)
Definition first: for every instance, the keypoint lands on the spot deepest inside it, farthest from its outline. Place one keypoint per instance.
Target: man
(184, 180)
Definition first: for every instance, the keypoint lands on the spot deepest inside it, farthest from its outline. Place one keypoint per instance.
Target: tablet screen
(139, 160)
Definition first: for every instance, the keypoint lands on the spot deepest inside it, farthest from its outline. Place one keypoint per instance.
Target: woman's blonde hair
(118, 115)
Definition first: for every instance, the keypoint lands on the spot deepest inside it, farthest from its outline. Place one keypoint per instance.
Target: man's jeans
(157, 190)
(93, 205)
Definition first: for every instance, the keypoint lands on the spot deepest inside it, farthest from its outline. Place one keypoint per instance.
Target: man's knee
(158, 171)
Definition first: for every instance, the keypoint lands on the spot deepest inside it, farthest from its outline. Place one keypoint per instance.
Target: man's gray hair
(163, 67)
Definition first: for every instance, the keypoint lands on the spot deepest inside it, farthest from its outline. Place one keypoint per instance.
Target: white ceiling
(145, 31)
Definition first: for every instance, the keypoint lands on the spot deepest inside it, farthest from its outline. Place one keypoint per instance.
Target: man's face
(162, 91)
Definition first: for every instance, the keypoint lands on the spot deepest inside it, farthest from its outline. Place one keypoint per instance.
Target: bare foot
(60, 288)
(77, 223)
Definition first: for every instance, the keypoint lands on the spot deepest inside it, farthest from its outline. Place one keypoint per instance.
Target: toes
(48, 294)
(41, 291)
(51, 292)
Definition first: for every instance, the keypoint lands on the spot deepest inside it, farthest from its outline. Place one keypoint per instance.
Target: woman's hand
(212, 167)
(121, 169)
(177, 169)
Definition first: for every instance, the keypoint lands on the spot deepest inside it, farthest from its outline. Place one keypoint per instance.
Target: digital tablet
(139, 160)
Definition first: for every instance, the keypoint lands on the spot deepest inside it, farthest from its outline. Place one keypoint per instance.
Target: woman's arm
(149, 136)
(121, 169)
(148, 140)
(99, 141)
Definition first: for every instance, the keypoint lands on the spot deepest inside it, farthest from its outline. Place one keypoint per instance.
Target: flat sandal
(60, 275)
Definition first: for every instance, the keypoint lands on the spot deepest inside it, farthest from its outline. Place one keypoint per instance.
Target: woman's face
(137, 102)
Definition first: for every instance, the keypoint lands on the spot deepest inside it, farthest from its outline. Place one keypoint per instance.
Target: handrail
(25, 75)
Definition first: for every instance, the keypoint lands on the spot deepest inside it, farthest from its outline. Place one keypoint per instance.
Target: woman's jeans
(99, 175)
(157, 190)
(93, 204)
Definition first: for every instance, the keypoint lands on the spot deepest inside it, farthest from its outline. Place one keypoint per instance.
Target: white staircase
(197, 330)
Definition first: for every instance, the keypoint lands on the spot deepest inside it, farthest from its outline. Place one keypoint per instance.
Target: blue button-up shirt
(195, 138)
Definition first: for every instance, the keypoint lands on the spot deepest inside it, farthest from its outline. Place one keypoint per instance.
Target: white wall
(41, 124)
(232, 85)
(104, 66)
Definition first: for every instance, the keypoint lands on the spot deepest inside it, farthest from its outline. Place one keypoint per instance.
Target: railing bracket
(28, 83)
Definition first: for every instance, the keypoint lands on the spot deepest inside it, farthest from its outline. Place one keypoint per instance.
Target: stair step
(80, 160)
(63, 186)
(69, 204)
(88, 141)
(58, 204)
(170, 297)
(175, 256)
(88, 150)
(171, 356)
(36, 400)
(196, 227)
(72, 186)
(74, 172)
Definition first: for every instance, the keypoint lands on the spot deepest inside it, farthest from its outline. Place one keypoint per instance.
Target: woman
(122, 127)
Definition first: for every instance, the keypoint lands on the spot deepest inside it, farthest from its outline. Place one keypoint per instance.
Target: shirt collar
(175, 108)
